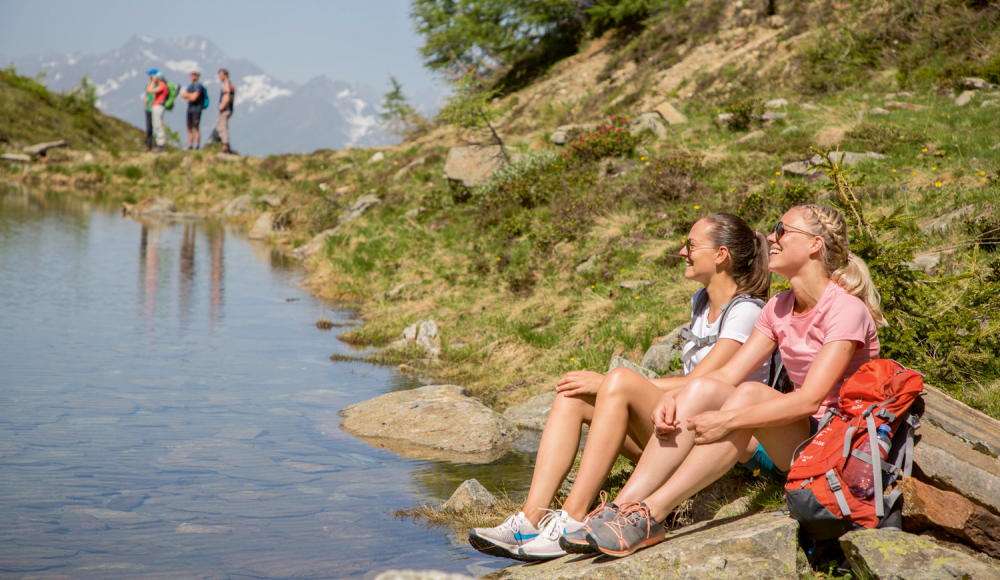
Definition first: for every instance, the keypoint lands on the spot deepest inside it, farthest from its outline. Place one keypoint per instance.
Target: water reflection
(159, 412)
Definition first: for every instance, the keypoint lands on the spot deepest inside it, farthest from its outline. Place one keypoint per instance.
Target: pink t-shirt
(837, 316)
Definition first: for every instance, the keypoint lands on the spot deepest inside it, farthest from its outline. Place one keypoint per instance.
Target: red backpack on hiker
(880, 393)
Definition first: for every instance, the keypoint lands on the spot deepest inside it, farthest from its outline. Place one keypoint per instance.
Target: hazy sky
(292, 40)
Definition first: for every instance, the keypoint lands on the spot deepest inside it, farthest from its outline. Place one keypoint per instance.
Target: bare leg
(662, 456)
(622, 417)
(556, 452)
(706, 463)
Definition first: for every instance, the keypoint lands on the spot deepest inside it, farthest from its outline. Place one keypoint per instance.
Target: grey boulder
(533, 413)
(894, 555)
(239, 206)
(648, 122)
(437, 422)
(941, 223)
(964, 98)
(663, 351)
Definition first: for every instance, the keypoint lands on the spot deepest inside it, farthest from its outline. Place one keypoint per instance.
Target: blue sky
(293, 40)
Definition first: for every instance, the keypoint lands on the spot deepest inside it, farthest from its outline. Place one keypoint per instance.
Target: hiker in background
(825, 328)
(157, 87)
(197, 100)
(226, 97)
(149, 96)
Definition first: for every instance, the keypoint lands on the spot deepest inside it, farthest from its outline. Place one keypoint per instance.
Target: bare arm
(825, 372)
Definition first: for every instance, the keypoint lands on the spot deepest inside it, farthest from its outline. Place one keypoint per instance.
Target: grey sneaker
(633, 529)
(576, 542)
(505, 540)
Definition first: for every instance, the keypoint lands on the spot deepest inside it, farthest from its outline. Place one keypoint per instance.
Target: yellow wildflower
(697, 207)
(938, 184)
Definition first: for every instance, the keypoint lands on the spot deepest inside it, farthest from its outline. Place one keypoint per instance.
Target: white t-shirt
(739, 325)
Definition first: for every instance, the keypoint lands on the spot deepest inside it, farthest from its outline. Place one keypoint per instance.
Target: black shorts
(194, 119)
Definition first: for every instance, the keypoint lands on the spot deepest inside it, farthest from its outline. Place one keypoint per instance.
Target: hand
(665, 416)
(577, 383)
(709, 426)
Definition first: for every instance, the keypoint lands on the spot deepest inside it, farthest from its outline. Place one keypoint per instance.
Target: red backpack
(879, 393)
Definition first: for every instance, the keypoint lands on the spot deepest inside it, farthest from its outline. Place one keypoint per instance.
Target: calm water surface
(159, 387)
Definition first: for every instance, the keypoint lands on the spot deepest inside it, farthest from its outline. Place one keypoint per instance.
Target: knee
(617, 382)
(698, 389)
(745, 395)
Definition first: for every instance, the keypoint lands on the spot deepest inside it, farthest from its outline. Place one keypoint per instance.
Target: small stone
(126, 502)
(587, 265)
(724, 117)
(239, 206)
(648, 122)
(947, 93)
(88, 157)
(271, 200)
(670, 114)
(379, 156)
(16, 157)
(975, 83)
(777, 21)
(902, 105)
(900, 95)
(941, 223)
(471, 494)
(409, 167)
(358, 208)
(635, 284)
(878, 111)
(751, 136)
(809, 107)
(263, 228)
(988, 103)
(776, 103)
(663, 351)
(964, 98)
(414, 212)
(790, 129)
(847, 157)
(200, 529)
(41, 148)
(924, 261)
(773, 116)
(324, 186)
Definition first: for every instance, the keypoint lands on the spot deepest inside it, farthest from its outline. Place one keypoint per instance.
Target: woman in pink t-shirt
(825, 328)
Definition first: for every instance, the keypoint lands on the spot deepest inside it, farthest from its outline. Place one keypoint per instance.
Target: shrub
(164, 164)
(670, 178)
(274, 166)
(609, 139)
(745, 113)
(131, 172)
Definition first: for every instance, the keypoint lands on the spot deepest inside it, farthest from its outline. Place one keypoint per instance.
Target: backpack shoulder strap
(698, 302)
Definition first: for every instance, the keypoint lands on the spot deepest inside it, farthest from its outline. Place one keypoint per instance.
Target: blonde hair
(845, 269)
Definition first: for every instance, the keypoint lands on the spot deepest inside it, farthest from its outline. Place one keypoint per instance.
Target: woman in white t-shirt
(730, 259)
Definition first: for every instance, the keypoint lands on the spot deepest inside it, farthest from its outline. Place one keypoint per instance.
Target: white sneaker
(504, 540)
(546, 545)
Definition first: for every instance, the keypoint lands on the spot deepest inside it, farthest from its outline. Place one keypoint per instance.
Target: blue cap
(152, 71)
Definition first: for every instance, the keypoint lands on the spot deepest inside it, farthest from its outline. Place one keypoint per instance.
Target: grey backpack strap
(699, 300)
(838, 492)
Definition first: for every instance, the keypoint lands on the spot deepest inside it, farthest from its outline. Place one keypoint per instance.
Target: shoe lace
(629, 514)
(551, 524)
(597, 510)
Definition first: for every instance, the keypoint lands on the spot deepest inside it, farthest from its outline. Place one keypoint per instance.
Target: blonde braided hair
(844, 268)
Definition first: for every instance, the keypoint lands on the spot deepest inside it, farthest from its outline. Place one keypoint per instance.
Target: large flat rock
(435, 422)
(891, 555)
(757, 547)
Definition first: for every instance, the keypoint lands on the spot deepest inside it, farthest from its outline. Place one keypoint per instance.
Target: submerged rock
(434, 422)
(239, 206)
(471, 494)
(157, 208)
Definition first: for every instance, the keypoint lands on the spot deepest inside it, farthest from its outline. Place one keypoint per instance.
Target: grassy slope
(30, 114)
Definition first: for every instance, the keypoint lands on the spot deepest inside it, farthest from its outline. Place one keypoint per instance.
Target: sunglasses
(780, 228)
(691, 248)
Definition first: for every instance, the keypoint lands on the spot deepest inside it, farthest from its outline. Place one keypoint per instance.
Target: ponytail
(845, 269)
(747, 252)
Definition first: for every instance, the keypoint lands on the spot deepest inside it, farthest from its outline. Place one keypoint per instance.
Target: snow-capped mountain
(271, 116)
